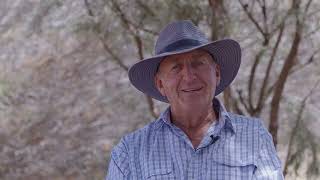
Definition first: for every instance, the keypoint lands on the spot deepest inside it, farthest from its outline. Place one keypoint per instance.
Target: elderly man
(195, 138)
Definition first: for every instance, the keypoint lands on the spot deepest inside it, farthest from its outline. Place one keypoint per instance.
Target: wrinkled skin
(189, 82)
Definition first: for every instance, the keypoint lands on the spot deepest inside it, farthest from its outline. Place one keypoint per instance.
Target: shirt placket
(194, 165)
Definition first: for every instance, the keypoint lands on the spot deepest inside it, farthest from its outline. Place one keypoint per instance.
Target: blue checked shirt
(235, 147)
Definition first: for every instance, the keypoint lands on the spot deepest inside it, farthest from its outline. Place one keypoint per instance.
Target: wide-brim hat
(180, 37)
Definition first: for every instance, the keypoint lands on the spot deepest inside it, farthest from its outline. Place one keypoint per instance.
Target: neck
(194, 122)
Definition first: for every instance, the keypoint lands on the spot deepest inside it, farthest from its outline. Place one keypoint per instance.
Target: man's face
(188, 79)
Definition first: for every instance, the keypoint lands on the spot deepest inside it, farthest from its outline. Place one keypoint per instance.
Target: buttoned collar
(224, 120)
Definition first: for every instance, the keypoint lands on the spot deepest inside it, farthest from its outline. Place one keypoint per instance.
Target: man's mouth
(191, 89)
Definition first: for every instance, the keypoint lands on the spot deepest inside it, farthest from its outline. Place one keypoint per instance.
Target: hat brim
(227, 53)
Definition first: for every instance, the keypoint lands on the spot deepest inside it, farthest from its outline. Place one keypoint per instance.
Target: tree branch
(312, 32)
(264, 34)
(251, 78)
(296, 127)
(306, 10)
(230, 101)
(309, 61)
(137, 39)
(288, 64)
(264, 13)
(242, 101)
(89, 10)
(115, 58)
(106, 47)
(262, 95)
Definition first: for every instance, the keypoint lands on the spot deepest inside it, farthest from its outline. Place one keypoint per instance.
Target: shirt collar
(224, 119)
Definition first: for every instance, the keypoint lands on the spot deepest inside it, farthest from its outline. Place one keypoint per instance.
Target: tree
(65, 98)
(280, 28)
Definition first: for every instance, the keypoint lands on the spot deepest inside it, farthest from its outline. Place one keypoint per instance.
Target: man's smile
(192, 89)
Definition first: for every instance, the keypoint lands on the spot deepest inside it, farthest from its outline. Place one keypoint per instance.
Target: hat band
(181, 44)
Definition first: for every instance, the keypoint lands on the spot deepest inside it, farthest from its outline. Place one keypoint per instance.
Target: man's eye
(175, 67)
(199, 63)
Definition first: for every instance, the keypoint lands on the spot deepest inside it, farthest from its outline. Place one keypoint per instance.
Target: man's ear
(159, 84)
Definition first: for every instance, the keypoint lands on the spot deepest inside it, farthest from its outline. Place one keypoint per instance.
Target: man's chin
(194, 102)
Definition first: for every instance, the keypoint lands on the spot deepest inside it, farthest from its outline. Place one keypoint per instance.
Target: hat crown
(178, 31)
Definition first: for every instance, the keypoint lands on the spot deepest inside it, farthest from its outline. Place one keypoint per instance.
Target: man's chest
(173, 159)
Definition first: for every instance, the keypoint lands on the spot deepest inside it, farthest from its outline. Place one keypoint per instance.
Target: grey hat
(180, 37)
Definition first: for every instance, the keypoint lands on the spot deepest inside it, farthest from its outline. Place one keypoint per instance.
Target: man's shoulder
(248, 131)
(243, 123)
(144, 133)
(135, 140)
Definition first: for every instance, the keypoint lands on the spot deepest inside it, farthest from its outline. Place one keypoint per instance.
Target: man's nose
(189, 72)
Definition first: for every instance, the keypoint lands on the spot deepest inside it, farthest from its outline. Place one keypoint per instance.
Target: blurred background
(65, 98)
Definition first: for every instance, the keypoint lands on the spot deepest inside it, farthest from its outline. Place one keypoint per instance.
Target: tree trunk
(289, 63)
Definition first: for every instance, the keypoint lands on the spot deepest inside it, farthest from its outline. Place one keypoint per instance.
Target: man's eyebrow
(198, 55)
(171, 58)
